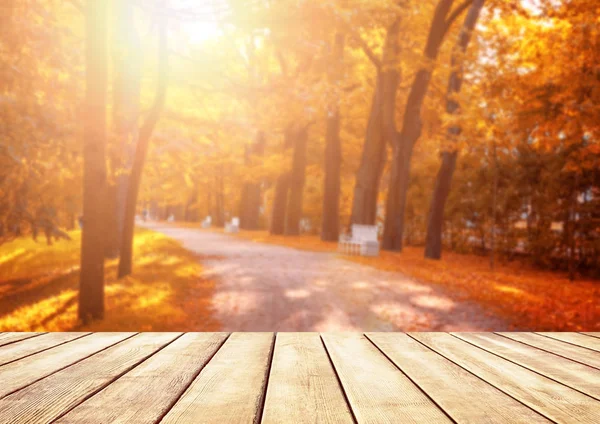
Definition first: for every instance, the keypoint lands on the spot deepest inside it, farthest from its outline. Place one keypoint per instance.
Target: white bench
(233, 226)
(363, 241)
(207, 222)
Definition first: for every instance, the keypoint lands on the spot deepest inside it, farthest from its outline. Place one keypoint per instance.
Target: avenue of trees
(470, 125)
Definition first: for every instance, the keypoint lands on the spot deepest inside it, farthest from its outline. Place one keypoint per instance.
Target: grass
(529, 299)
(39, 285)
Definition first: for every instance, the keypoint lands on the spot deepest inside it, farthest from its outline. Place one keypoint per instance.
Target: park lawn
(528, 298)
(39, 284)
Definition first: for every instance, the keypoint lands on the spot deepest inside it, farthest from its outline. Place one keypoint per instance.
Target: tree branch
(362, 43)
(455, 14)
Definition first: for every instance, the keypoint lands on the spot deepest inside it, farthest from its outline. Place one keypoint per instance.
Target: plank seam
(263, 398)
(2, 344)
(526, 367)
(44, 350)
(589, 335)
(481, 378)
(176, 399)
(102, 387)
(67, 366)
(549, 351)
(337, 377)
(564, 341)
(410, 379)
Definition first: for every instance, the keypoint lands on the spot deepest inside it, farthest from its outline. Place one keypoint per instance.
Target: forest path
(263, 287)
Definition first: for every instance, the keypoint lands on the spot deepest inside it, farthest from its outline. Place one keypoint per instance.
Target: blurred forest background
(467, 126)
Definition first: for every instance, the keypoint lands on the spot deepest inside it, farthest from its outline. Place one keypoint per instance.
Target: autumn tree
(433, 247)
(141, 150)
(91, 286)
(405, 139)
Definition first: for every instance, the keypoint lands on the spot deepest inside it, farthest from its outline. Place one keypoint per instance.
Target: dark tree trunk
(111, 250)
(126, 253)
(368, 177)
(280, 204)
(191, 208)
(330, 230)
(91, 279)
(435, 220)
(126, 97)
(250, 201)
(219, 207)
(410, 133)
(433, 243)
(297, 179)
(282, 188)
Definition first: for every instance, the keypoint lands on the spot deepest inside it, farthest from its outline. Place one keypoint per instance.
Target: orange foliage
(529, 299)
(38, 288)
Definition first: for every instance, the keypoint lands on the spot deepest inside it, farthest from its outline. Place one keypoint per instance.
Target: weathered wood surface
(299, 377)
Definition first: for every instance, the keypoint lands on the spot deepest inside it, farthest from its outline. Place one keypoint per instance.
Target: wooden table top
(300, 377)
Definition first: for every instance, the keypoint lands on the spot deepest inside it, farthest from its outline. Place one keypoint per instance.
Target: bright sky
(203, 23)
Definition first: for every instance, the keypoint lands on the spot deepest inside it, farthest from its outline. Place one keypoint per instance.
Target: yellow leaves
(167, 291)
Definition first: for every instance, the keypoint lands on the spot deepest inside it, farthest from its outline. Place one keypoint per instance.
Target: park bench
(233, 226)
(207, 222)
(362, 241)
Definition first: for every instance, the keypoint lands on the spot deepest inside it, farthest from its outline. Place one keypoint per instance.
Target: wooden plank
(575, 353)
(576, 339)
(591, 334)
(14, 351)
(230, 388)
(23, 372)
(377, 391)
(450, 386)
(6, 338)
(48, 399)
(570, 373)
(555, 401)
(145, 394)
(303, 387)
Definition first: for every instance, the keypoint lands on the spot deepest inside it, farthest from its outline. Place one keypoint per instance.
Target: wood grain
(570, 373)
(23, 372)
(6, 338)
(551, 399)
(49, 398)
(575, 353)
(593, 334)
(377, 391)
(303, 387)
(26, 347)
(146, 393)
(230, 388)
(450, 386)
(576, 339)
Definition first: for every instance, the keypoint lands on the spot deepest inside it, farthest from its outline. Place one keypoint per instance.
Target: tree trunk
(296, 183)
(126, 97)
(282, 187)
(126, 254)
(111, 249)
(433, 246)
(368, 177)
(330, 230)
(435, 220)
(91, 279)
(494, 208)
(410, 133)
(250, 202)
(280, 204)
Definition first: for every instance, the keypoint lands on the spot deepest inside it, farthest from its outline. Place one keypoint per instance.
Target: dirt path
(262, 287)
